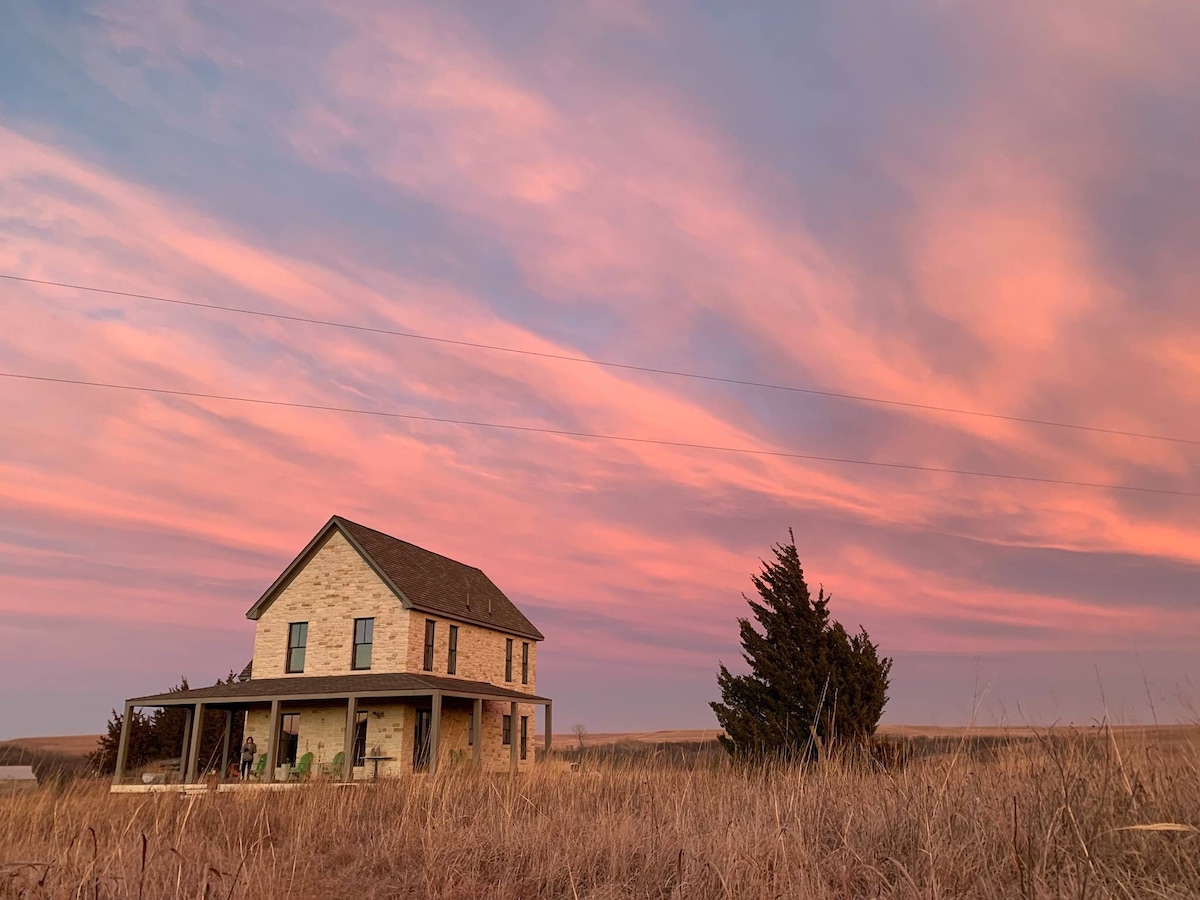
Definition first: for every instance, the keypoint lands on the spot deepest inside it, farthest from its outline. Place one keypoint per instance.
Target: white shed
(15, 778)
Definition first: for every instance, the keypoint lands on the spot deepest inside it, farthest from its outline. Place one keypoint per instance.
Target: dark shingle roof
(427, 581)
(337, 686)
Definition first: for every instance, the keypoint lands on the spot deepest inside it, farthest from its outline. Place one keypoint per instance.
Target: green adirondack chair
(261, 768)
(303, 766)
(335, 767)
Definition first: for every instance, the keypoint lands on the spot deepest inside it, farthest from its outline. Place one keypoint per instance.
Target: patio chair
(261, 768)
(302, 768)
(334, 768)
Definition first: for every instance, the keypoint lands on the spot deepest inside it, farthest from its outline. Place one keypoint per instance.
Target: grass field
(1083, 815)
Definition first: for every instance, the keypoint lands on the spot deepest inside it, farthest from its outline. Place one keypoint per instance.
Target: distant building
(17, 778)
(373, 650)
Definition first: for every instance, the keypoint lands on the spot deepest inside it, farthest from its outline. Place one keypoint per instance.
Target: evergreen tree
(811, 684)
(143, 747)
(159, 736)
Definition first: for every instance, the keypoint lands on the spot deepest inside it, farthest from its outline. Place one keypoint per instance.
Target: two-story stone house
(397, 658)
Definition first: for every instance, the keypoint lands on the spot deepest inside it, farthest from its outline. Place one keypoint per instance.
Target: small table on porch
(375, 760)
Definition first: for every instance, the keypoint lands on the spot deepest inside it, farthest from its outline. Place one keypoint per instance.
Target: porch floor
(227, 787)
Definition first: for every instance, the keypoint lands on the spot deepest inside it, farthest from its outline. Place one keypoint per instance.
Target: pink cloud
(631, 198)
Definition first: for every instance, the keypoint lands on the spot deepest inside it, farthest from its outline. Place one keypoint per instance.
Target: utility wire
(594, 435)
(674, 373)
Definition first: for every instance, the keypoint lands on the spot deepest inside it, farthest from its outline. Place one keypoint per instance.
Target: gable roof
(421, 579)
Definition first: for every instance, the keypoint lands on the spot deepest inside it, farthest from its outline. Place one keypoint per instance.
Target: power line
(595, 436)
(652, 370)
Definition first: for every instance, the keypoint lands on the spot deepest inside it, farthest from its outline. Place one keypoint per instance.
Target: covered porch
(352, 725)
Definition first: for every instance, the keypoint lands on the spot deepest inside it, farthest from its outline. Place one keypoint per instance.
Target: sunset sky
(987, 206)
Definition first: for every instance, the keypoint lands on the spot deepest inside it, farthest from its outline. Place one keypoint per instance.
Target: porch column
(549, 729)
(348, 747)
(123, 745)
(193, 753)
(435, 730)
(477, 734)
(272, 742)
(225, 745)
(185, 750)
(513, 736)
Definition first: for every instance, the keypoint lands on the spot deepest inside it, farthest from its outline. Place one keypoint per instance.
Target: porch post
(225, 745)
(477, 734)
(348, 746)
(272, 742)
(193, 753)
(435, 731)
(185, 750)
(513, 737)
(549, 729)
(123, 745)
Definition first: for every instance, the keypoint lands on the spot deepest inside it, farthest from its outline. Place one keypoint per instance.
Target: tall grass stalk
(1093, 815)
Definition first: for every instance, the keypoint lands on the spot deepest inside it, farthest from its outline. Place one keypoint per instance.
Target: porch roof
(312, 687)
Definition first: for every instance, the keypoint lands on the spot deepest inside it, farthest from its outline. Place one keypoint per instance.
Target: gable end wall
(333, 589)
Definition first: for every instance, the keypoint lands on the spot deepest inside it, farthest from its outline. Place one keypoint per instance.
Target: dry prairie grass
(1064, 816)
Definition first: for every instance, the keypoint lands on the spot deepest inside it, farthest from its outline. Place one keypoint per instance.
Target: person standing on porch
(249, 751)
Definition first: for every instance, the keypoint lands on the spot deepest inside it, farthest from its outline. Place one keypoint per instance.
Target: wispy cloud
(579, 185)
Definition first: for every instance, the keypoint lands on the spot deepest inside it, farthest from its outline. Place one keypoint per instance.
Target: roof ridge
(392, 537)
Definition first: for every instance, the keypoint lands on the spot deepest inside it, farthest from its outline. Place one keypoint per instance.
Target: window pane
(289, 734)
(362, 630)
(360, 740)
(296, 659)
(507, 730)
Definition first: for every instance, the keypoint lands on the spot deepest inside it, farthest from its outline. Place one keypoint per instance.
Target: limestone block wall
(329, 593)
(495, 755)
(392, 728)
(322, 732)
(481, 652)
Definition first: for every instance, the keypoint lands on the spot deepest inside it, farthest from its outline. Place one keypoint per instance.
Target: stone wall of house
(335, 588)
(329, 593)
(481, 652)
(495, 756)
(391, 728)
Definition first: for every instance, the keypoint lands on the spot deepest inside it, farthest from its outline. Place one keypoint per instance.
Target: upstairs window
(452, 654)
(508, 647)
(524, 662)
(507, 732)
(430, 627)
(297, 641)
(364, 637)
